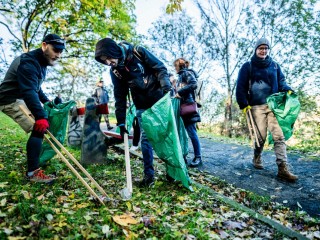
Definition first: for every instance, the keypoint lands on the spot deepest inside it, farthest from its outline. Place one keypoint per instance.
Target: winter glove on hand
(166, 90)
(246, 109)
(41, 125)
(123, 130)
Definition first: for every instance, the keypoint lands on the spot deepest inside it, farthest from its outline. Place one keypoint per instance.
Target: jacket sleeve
(121, 90)
(243, 86)
(191, 81)
(29, 88)
(154, 63)
(43, 98)
(283, 87)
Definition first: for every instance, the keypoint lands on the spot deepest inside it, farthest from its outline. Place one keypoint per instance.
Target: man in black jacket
(21, 87)
(137, 69)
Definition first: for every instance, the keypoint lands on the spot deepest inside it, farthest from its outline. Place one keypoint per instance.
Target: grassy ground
(65, 210)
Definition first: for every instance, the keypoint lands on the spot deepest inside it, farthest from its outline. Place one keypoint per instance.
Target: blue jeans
(192, 132)
(147, 151)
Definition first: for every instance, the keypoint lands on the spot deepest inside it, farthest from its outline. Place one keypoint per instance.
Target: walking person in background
(257, 80)
(21, 87)
(186, 86)
(58, 99)
(102, 97)
(137, 69)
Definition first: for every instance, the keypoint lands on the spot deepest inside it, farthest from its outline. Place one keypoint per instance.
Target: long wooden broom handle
(254, 128)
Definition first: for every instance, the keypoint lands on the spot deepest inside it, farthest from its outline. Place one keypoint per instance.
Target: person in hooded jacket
(21, 87)
(136, 69)
(257, 80)
(187, 84)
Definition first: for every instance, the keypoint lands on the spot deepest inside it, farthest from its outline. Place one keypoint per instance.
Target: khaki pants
(13, 110)
(265, 119)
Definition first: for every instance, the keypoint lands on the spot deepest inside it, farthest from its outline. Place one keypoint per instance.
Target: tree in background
(177, 35)
(229, 40)
(80, 22)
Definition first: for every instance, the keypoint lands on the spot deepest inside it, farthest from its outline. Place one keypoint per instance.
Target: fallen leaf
(106, 230)
(26, 194)
(3, 202)
(3, 184)
(124, 220)
(129, 205)
(299, 205)
(49, 217)
(40, 197)
(233, 225)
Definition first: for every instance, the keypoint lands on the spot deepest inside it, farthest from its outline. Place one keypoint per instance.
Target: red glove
(41, 125)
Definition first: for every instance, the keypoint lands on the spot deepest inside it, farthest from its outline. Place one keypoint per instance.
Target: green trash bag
(183, 136)
(131, 113)
(286, 108)
(160, 126)
(58, 120)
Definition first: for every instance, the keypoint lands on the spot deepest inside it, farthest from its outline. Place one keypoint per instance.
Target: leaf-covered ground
(65, 210)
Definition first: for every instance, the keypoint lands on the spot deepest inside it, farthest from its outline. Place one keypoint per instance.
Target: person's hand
(177, 95)
(166, 90)
(41, 125)
(246, 109)
(123, 130)
(289, 92)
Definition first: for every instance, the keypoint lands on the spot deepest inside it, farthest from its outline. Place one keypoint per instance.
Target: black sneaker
(146, 182)
(196, 162)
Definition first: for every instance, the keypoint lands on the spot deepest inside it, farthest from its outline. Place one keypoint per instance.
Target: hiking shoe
(257, 162)
(285, 174)
(196, 162)
(146, 182)
(39, 176)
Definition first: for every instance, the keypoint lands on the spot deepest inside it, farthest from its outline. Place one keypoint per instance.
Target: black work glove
(123, 130)
(166, 90)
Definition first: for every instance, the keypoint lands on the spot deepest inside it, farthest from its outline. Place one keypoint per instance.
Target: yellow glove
(246, 109)
(289, 92)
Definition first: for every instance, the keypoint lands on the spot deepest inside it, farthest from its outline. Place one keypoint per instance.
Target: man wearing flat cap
(257, 80)
(21, 88)
(134, 68)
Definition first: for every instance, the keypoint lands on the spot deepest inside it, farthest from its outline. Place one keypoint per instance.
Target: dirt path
(232, 163)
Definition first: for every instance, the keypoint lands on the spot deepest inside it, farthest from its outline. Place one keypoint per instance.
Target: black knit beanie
(262, 41)
(109, 48)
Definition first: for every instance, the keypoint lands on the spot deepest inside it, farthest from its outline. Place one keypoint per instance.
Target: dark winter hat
(262, 41)
(56, 41)
(109, 48)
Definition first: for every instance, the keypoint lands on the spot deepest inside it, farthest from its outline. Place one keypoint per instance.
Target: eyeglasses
(263, 48)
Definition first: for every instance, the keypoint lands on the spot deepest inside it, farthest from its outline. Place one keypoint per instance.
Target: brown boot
(285, 174)
(257, 162)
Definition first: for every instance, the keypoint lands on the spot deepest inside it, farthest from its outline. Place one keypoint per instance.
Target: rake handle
(254, 128)
(77, 163)
(73, 170)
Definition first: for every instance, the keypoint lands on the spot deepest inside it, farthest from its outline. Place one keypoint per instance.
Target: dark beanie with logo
(109, 48)
(262, 41)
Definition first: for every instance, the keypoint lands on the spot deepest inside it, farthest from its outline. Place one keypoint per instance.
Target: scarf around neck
(261, 63)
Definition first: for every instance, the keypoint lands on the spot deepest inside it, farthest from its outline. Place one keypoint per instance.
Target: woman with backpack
(186, 86)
